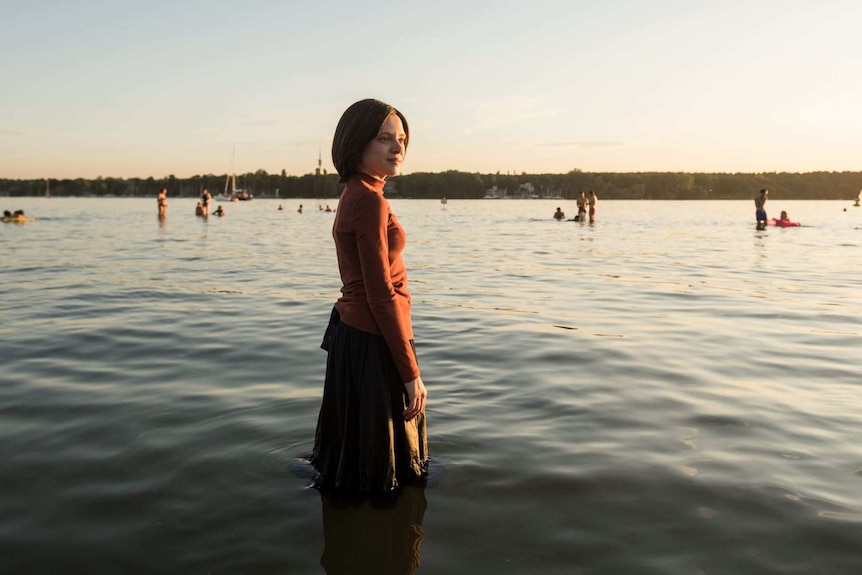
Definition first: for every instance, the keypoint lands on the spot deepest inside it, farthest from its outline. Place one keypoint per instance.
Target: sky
(116, 88)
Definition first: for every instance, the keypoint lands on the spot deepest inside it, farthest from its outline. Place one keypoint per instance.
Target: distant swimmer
(17, 217)
(219, 211)
(559, 214)
(760, 208)
(328, 209)
(280, 207)
(300, 209)
(784, 221)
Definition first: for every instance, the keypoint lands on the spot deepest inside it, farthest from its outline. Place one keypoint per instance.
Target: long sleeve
(375, 297)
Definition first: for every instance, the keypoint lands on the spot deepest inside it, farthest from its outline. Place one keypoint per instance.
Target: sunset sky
(116, 88)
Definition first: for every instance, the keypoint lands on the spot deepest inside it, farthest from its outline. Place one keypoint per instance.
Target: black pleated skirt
(362, 442)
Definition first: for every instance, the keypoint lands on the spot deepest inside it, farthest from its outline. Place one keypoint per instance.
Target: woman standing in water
(371, 427)
(162, 200)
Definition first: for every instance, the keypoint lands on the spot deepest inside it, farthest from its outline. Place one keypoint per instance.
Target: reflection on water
(374, 537)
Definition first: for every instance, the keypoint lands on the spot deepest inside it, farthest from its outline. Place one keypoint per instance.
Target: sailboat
(231, 193)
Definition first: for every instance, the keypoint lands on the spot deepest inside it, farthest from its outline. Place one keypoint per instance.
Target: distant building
(527, 190)
(494, 193)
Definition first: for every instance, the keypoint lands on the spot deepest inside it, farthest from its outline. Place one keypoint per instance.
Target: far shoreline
(455, 185)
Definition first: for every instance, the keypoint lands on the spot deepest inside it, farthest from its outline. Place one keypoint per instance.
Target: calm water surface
(667, 391)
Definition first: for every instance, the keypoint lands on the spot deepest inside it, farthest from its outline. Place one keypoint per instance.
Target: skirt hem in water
(362, 442)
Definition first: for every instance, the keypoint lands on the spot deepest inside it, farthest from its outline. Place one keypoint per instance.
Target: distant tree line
(636, 185)
(454, 184)
(258, 183)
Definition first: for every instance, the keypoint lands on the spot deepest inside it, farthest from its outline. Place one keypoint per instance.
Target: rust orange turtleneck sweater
(374, 296)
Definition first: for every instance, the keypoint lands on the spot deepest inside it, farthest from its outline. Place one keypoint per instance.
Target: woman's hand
(417, 395)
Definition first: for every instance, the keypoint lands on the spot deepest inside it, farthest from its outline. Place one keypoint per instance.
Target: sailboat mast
(230, 172)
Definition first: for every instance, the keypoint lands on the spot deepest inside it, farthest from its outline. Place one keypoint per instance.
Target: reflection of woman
(368, 538)
(371, 429)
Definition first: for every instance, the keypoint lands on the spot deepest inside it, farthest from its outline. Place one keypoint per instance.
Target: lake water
(667, 391)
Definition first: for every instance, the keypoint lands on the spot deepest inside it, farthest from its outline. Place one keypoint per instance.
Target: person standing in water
(370, 434)
(162, 200)
(592, 201)
(206, 198)
(582, 208)
(760, 208)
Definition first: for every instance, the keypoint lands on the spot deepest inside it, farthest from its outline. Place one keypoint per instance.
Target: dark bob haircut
(360, 124)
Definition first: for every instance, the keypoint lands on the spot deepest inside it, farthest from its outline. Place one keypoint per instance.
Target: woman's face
(384, 154)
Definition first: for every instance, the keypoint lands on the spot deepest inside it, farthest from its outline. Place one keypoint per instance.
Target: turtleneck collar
(370, 182)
